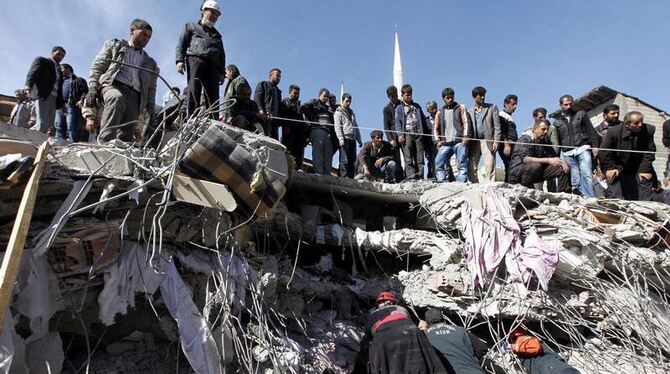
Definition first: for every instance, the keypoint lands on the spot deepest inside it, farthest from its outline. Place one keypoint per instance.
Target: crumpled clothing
(495, 236)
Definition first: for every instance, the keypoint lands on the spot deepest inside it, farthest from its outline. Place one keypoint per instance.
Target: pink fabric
(496, 236)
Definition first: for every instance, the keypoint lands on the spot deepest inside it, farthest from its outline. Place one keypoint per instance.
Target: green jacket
(232, 89)
(106, 66)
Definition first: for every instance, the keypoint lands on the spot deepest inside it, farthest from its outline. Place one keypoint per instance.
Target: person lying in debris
(534, 160)
(396, 345)
(459, 347)
(376, 158)
(535, 356)
(245, 114)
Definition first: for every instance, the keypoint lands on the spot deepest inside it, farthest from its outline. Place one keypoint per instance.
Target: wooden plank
(12, 260)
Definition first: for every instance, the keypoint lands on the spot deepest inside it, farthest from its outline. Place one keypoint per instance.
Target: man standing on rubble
(410, 125)
(346, 129)
(629, 175)
(451, 133)
(235, 80)
(321, 121)
(610, 119)
(126, 91)
(485, 121)
(577, 136)
(462, 349)
(508, 131)
(200, 52)
(389, 125)
(534, 160)
(44, 82)
(23, 114)
(294, 133)
(268, 98)
(428, 141)
(377, 159)
(74, 91)
(396, 345)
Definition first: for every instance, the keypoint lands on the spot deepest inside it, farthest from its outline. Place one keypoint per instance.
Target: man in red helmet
(396, 345)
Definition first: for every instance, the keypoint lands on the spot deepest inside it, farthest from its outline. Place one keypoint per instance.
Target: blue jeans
(443, 157)
(67, 125)
(581, 173)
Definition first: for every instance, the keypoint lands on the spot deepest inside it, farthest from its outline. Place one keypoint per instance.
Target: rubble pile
(210, 252)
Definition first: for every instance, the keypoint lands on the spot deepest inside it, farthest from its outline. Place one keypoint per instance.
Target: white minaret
(341, 92)
(397, 64)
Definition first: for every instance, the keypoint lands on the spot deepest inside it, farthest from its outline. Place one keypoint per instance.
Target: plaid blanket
(217, 157)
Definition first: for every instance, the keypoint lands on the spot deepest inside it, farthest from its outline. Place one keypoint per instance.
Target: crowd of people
(451, 142)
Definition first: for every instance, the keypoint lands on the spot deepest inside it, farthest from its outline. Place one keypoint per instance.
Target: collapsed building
(210, 254)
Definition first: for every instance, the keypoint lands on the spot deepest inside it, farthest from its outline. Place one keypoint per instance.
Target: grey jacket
(491, 120)
(346, 126)
(106, 66)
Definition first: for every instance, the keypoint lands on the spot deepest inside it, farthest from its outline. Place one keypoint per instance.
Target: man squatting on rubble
(393, 342)
(125, 90)
(534, 160)
(376, 158)
(45, 83)
(200, 52)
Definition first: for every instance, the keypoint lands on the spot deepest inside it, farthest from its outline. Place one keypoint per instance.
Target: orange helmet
(386, 296)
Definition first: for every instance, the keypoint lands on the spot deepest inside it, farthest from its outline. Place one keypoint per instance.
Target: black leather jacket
(201, 41)
(577, 132)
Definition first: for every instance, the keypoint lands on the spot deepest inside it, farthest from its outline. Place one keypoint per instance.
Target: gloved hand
(91, 99)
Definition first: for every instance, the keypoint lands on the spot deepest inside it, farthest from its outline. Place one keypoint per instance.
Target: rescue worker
(397, 345)
(462, 349)
(200, 52)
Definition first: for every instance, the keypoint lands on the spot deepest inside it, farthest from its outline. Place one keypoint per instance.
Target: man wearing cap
(397, 345)
(200, 52)
(458, 346)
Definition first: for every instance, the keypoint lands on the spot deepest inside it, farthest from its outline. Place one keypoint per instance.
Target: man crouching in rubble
(534, 160)
(126, 91)
(397, 345)
(462, 349)
(376, 158)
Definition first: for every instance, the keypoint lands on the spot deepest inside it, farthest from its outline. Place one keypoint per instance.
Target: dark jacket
(491, 119)
(369, 154)
(389, 122)
(291, 109)
(577, 132)
(549, 362)
(201, 41)
(263, 96)
(620, 137)
(400, 119)
(78, 90)
(529, 148)
(666, 133)
(602, 129)
(312, 108)
(508, 131)
(461, 348)
(42, 74)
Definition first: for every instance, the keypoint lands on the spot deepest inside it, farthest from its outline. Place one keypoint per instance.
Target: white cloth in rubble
(494, 235)
(132, 274)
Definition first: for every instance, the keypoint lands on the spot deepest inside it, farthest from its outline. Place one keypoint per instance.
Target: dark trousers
(506, 160)
(431, 152)
(630, 187)
(535, 172)
(348, 159)
(294, 141)
(202, 74)
(413, 151)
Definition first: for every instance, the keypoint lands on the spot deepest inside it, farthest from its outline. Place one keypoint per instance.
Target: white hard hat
(211, 4)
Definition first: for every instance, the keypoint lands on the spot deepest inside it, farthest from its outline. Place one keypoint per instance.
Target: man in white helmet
(200, 52)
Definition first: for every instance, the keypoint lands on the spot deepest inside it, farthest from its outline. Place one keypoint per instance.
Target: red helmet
(386, 296)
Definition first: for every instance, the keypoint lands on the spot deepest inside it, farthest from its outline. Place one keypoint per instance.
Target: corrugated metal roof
(600, 95)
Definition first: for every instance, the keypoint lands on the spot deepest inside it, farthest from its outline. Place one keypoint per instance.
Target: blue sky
(535, 49)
